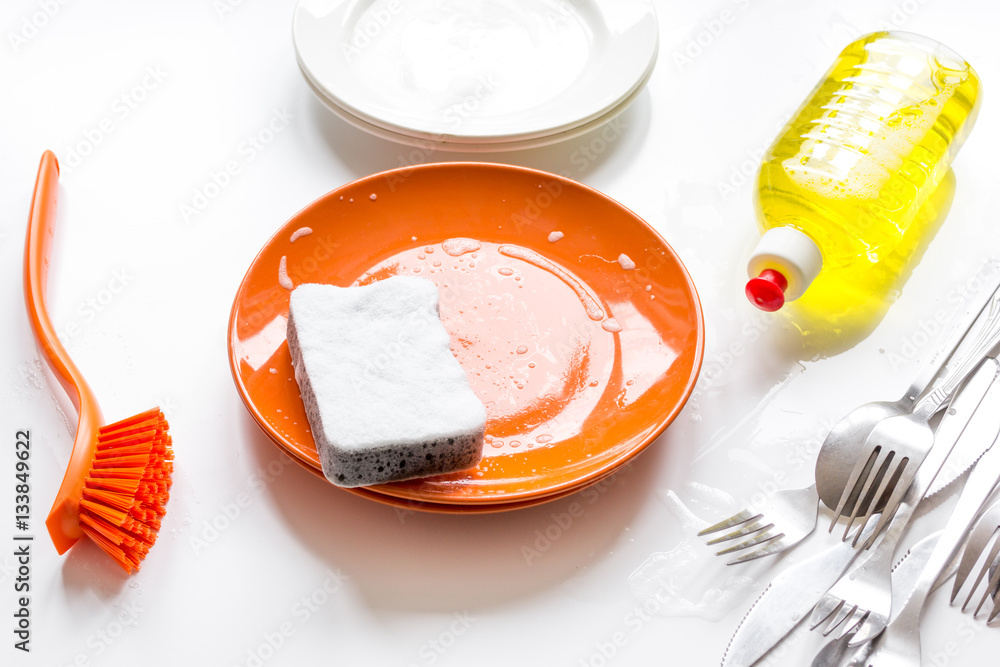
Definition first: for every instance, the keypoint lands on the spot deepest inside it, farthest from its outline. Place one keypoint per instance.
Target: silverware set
(873, 470)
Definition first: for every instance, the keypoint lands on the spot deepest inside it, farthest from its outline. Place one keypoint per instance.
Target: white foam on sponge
(385, 397)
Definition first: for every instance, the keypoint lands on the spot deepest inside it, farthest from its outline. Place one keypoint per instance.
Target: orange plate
(581, 362)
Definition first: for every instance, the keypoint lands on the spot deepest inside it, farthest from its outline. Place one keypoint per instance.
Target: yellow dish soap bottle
(843, 193)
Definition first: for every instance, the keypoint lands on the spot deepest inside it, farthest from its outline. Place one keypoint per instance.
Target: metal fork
(899, 645)
(782, 520)
(897, 445)
(978, 544)
(861, 600)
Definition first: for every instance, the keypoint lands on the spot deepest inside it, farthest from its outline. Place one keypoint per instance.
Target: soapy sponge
(385, 397)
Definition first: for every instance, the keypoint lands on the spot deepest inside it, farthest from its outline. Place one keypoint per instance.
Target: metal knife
(787, 600)
(978, 436)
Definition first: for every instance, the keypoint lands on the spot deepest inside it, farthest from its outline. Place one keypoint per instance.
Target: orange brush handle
(63, 521)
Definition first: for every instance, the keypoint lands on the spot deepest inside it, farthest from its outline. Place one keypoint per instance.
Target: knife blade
(786, 601)
(979, 434)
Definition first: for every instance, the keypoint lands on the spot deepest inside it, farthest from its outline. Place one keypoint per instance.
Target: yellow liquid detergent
(860, 172)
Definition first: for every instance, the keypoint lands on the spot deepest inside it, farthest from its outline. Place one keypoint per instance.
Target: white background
(250, 559)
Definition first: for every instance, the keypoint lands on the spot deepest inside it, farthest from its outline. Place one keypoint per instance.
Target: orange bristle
(126, 492)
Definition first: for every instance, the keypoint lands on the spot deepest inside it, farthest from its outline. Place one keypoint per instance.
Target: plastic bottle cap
(767, 291)
(782, 266)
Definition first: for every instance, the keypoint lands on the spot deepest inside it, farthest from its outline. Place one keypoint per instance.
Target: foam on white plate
(385, 398)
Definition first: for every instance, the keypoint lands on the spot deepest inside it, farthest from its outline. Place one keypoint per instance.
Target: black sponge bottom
(364, 467)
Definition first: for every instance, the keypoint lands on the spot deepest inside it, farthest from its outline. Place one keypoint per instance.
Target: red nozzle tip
(767, 291)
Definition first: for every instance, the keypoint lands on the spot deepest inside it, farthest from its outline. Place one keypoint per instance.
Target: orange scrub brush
(118, 481)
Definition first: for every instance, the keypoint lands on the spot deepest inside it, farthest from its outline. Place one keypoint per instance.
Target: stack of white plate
(476, 75)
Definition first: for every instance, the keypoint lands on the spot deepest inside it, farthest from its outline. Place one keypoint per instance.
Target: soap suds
(590, 305)
(283, 278)
(611, 325)
(299, 233)
(459, 246)
(625, 262)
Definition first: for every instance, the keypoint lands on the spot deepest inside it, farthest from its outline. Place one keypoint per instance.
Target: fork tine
(868, 500)
(980, 575)
(841, 619)
(746, 530)
(735, 520)
(992, 585)
(848, 500)
(888, 511)
(854, 624)
(770, 547)
(824, 610)
(887, 486)
(996, 602)
(762, 537)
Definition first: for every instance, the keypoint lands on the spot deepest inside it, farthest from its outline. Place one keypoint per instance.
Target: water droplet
(373, 196)
(594, 383)
(531, 364)
(515, 443)
(437, 262)
(522, 349)
(544, 438)
(497, 444)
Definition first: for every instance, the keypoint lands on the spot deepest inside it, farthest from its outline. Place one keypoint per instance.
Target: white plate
(442, 143)
(476, 71)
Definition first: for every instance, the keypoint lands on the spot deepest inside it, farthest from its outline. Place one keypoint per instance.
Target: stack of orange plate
(578, 326)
